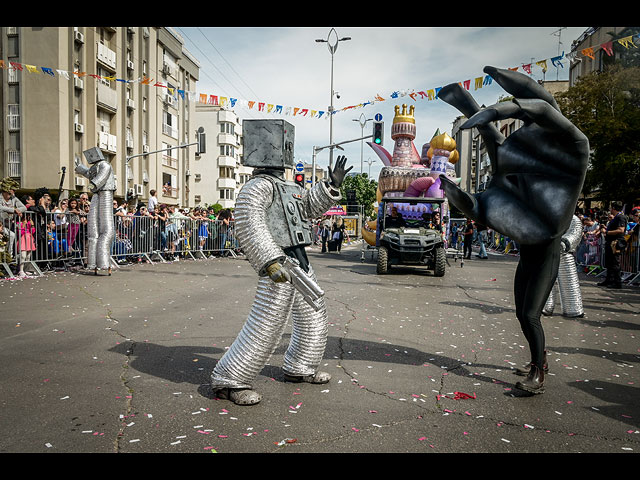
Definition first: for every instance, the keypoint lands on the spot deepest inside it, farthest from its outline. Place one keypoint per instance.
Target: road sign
(299, 167)
(378, 117)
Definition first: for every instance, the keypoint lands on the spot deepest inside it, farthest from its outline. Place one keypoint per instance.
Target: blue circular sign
(378, 117)
(299, 167)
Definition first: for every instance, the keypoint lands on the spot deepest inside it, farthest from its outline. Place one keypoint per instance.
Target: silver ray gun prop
(302, 282)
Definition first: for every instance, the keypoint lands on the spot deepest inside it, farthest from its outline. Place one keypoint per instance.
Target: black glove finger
(461, 99)
(460, 199)
(520, 85)
(551, 120)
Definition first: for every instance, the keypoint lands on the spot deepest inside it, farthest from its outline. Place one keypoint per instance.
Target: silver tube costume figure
(567, 285)
(100, 228)
(272, 228)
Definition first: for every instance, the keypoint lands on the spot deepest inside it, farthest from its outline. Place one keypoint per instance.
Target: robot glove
(277, 273)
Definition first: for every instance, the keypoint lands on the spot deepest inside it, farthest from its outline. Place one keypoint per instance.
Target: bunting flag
(429, 94)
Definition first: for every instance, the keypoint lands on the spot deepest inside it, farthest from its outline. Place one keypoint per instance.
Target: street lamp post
(332, 41)
(363, 121)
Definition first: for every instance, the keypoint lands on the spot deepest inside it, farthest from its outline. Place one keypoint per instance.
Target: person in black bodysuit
(537, 175)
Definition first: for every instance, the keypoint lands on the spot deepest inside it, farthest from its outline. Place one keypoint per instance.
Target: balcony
(227, 139)
(107, 97)
(225, 161)
(168, 161)
(169, 130)
(226, 183)
(169, 191)
(107, 142)
(13, 167)
(13, 117)
(106, 56)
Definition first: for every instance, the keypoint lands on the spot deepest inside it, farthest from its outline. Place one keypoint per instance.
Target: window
(226, 194)
(227, 150)
(226, 172)
(226, 127)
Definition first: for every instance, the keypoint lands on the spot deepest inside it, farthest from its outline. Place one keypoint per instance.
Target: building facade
(217, 175)
(593, 37)
(112, 87)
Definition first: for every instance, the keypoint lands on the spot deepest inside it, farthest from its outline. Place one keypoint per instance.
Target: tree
(365, 189)
(605, 106)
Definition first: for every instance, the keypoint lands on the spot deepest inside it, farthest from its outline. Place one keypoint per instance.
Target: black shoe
(523, 372)
(534, 383)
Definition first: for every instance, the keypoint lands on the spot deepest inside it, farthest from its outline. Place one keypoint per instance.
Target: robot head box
(268, 143)
(93, 155)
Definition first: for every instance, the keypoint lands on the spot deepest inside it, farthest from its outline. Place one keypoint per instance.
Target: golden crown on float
(404, 124)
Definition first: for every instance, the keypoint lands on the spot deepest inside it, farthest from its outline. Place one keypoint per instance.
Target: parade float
(409, 184)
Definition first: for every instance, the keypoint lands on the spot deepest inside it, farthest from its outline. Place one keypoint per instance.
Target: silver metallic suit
(100, 228)
(567, 285)
(274, 302)
(272, 226)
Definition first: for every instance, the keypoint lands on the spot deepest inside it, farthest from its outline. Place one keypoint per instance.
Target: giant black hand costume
(537, 175)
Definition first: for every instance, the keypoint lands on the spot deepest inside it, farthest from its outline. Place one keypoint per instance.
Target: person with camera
(614, 245)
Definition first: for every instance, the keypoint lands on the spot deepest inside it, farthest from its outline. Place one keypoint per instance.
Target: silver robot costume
(100, 228)
(271, 226)
(567, 286)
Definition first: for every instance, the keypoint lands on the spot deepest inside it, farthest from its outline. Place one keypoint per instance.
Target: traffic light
(201, 147)
(378, 133)
(299, 179)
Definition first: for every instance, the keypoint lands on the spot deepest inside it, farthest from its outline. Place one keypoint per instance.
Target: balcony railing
(13, 166)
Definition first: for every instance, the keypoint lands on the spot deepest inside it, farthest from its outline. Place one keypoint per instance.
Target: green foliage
(605, 106)
(365, 189)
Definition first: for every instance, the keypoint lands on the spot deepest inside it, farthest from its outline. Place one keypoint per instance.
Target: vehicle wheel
(440, 262)
(383, 261)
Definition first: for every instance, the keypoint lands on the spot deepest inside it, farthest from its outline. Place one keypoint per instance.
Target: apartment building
(217, 175)
(593, 37)
(124, 97)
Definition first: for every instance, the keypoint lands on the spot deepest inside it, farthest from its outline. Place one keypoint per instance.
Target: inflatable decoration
(537, 175)
(406, 173)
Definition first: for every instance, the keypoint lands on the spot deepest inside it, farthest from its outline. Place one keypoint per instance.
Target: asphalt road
(420, 364)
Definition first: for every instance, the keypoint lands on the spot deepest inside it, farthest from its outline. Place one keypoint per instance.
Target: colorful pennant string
(426, 94)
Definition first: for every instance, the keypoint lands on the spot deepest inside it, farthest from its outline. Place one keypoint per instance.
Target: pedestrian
(614, 245)
(454, 235)
(27, 242)
(337, 233)
(482, 238)
(74, 224)
(10, 207)
(325, 233)
(153, 202)
(468, 238)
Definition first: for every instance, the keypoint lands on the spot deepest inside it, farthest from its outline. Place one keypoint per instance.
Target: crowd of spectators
(53, 234)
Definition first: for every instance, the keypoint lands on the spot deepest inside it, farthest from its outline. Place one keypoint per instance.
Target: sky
(286, 66)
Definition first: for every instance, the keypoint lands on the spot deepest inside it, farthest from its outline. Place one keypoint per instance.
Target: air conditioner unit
(78, 83)
(145, 149)
(80, 180)
(131, 30)
(198, 176)
(168, 99)
(166, 69)
(129, 143)
(78, 37)
(138, 189)
(188, 173)
(131, 103)
(129, 64)
(78, 127)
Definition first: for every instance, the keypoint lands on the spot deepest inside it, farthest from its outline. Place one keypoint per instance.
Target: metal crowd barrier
(59, 240)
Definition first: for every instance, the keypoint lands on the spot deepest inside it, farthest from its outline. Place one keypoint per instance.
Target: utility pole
(558, 33)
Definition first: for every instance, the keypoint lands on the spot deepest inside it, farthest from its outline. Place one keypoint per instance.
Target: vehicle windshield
(413, 215)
